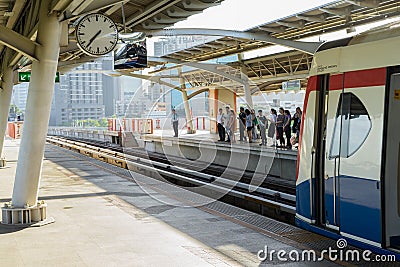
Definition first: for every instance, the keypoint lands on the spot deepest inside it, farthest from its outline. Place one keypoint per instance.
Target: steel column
(5, 99)
(37, 109)
(190, 129)
(246, 82)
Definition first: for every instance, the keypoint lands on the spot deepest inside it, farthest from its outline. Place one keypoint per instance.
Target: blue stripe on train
(359, 206)
(353, 242)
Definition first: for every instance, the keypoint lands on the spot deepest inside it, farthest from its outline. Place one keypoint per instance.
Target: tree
(14, 109)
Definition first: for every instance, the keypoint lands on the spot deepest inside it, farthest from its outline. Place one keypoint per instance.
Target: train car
(348, 174)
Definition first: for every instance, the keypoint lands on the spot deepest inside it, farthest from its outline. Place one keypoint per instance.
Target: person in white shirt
(272, 127)
(220, 125)
(227, 118)
(175, 120)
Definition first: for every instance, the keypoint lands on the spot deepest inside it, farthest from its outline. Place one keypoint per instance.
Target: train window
(352, 126)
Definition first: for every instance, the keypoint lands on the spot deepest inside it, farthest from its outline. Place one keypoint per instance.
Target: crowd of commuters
(277, 126)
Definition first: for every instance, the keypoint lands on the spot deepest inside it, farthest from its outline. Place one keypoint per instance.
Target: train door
(333, 130)
(392, 166)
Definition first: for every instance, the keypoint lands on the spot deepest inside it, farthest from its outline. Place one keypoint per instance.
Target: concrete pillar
(37, 110)
(246, 82)
(5, 99)
(186, 105)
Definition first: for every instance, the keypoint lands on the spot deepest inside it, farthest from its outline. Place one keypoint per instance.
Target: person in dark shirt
(299, 114)
(242, 125)
(286, 128)
(279, 126)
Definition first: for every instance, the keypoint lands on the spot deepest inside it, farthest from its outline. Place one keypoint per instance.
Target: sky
(244, 14)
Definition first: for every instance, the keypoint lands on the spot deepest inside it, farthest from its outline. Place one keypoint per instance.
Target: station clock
(96, 34)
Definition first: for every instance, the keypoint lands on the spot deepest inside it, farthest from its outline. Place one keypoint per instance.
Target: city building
(20, 95)
(81, 94)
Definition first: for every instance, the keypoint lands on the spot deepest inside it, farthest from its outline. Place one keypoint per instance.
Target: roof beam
(96, 6)
(155, 79)
(272, 29)
(17, 8)
(145, 14)
(81, 7)
(196, 4)
(18, 42)
(308, 47)
(293, 24)
(213, 68)
(198, 92)
(320, 18)
(364, 3)
(340, 12)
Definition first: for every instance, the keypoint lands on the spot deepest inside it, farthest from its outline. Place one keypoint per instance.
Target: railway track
(271, 198)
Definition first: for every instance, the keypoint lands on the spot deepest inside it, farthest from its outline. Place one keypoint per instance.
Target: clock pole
(40, 93)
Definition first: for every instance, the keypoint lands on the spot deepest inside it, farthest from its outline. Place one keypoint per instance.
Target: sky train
(348, 171)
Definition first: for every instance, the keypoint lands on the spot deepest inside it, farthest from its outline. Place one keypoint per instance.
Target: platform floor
(103, 219)
(206, 136)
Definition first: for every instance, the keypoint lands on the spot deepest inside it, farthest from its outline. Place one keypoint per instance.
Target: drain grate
(155, 210)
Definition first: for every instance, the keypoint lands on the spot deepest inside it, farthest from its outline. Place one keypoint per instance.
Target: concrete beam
(308, 47)
(18, 42)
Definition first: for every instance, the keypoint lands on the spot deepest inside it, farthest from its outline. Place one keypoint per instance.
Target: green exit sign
(25, 77)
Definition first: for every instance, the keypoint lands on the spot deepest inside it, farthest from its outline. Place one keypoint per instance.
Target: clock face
(96, 34)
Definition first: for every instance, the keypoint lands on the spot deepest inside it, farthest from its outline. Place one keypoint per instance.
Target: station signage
(291, 85)
(25, 77)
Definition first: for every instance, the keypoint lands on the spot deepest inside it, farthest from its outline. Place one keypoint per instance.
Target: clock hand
(94, 37)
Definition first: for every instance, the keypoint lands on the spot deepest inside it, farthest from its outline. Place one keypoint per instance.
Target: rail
(267, 197)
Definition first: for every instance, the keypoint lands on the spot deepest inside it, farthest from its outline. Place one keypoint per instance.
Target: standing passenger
(175, 121)
(263, 123)
(232, 126)
(249, 124)
(299, 114)
(220, 125)
(242, 124)
(254, 124)
(279, 126)
(286, 128)
(272, 127)
(227, 118)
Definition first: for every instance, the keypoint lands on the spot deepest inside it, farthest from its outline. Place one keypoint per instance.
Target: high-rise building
(20, 95)
(171, 97)
(133, 102)
(84, 93)
(176, 43)
(112, 94)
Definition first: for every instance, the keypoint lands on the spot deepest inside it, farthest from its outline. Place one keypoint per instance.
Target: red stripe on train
(356, 79)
